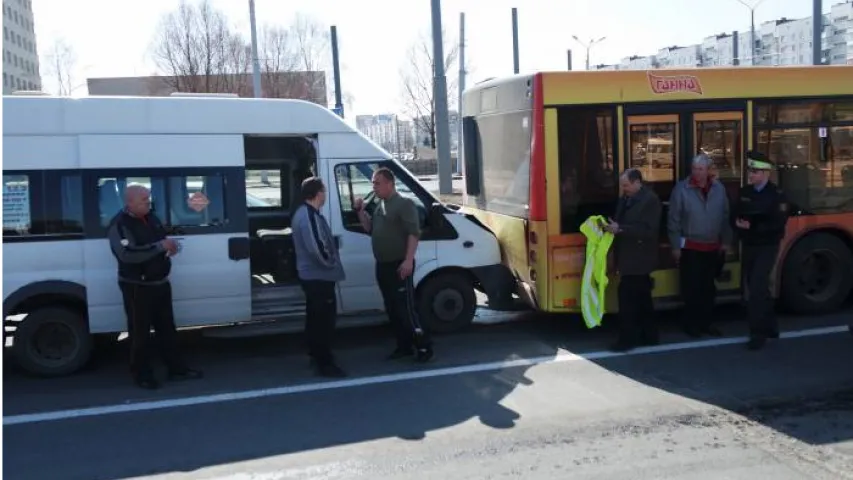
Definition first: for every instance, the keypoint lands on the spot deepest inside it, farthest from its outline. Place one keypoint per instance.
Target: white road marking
(560, 357)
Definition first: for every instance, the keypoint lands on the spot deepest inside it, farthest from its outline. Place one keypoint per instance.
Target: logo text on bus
(661, 84)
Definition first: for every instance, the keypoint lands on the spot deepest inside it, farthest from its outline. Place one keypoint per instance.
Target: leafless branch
(417, 80)
(197, 51)
(61, 62)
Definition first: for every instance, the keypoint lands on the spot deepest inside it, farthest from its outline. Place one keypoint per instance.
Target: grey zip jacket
(317, 256)
(692, 217)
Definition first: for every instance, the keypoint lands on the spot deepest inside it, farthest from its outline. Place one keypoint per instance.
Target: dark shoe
(424, 355)
(773, 335)
(399, 353)
(330, 370)
(622, 346)
(712, 331)
(756, 343)
(650, 341)
(147, 383)
(184, 374)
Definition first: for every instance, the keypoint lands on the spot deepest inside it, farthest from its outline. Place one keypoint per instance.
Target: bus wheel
(447, 302)
(817, 275)
(52, 341)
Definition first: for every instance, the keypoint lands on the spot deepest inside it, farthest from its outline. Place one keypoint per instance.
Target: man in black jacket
(138, 241)
(637, 230)
(761, 215)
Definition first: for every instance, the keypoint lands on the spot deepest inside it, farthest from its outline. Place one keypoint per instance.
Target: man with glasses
(761, 215)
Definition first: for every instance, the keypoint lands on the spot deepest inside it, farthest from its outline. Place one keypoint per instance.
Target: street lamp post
(751, 8)
(256, 66)
(439, 89)
(588, 46)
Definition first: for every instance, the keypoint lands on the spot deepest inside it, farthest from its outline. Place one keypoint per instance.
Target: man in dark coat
(637, 230)
(761, 215)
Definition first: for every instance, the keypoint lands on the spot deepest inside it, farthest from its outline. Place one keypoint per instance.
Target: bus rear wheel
(817, 275)
(52, 341)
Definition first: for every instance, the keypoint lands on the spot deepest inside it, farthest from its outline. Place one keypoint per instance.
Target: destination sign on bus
(663, 84)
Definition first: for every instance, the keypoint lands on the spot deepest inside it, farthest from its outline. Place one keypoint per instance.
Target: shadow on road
(217, 434)
(187, 439)
(799, 387)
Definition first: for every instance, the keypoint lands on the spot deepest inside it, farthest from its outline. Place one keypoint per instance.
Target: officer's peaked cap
(758, 161)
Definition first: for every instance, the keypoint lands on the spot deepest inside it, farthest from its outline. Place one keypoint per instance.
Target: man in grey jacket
(319, 266)
(700, 234)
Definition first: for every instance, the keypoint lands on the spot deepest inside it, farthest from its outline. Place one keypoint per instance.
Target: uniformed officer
(139, 243)
(761, 215)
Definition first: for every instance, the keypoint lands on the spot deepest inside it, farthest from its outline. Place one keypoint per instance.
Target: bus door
(653, 144)
(720, 135)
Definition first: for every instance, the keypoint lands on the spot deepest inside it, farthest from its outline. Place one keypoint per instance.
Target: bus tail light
(537, 208)
(534, 239)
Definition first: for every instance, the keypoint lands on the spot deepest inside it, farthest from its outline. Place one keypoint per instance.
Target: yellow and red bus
(543, 152)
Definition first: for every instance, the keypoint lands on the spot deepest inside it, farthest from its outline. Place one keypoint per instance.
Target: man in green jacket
(395, 231)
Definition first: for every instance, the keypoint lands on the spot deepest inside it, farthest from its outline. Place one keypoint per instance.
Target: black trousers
(399, 298)
(636, 309)
(321, 313)
(148, 306)
(758, 263)
(697, 271)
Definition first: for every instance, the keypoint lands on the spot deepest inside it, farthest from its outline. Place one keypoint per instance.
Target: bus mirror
(471, 139)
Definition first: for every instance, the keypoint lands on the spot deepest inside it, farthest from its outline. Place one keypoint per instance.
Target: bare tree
(61, 62)
(278, 59)
(312, 43)
(197, 51)
(418, 81)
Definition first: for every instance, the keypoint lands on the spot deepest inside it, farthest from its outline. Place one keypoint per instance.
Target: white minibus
(224, 175)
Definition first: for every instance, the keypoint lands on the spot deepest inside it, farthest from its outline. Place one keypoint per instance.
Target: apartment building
(777, 42)
(838, 34)
(423, 137)
(20, 53)
(388, 131)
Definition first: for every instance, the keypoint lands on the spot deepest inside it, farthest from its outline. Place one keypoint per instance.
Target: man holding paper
(700, 235)
(139, 243)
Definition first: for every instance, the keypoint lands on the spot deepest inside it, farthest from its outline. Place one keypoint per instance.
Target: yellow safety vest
(594, 283)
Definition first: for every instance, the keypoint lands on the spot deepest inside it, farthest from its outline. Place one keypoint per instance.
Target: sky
(112, 38)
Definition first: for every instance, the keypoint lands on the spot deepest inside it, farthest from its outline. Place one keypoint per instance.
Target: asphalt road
(537, 399)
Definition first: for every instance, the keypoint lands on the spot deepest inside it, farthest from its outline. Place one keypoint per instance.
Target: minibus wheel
(447, 302)
(817, 275)
(52, 341)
